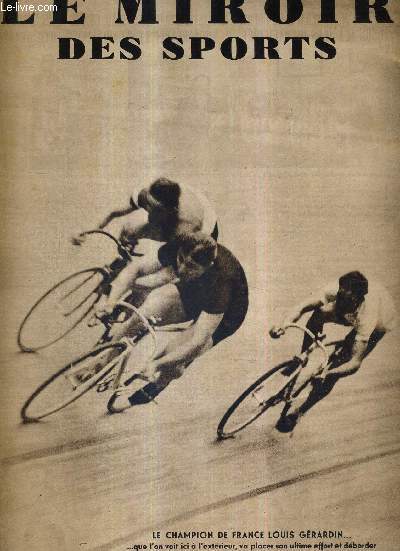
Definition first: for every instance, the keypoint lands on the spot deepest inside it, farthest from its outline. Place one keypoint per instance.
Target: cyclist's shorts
(233, 317)
(225, 330)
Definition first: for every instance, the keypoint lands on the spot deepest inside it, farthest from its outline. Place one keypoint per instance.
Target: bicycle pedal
(103, 387)
(154, 320)
(291, 368)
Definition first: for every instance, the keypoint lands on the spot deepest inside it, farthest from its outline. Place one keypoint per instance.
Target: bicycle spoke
(75, 308)
(77, 287)
(72, 381)
(268, 391)
(60, 310)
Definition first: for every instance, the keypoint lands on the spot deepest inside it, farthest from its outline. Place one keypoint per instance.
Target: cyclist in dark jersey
(210, 288)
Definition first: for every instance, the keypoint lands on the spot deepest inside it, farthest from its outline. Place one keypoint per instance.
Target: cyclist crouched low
(209, 287)
(353, 301)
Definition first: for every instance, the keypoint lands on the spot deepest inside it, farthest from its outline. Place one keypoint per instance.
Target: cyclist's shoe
(118, 402)
(146, 394)
(291, 367)
(121, 401)
(287, 423)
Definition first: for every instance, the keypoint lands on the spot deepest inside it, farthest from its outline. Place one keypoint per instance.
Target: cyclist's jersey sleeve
(209, 214)
(377, 312)
(134, 199)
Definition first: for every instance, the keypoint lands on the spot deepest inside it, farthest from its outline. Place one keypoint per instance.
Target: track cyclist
(353, 301)
(168, 209)
(209, 287)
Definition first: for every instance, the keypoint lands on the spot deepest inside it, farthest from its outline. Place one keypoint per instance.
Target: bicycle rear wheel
(265, 393)
(71, 382)
(61, 309)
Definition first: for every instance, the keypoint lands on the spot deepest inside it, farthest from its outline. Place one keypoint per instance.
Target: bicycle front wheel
(61, 309)
(265, 393)
(71, 382)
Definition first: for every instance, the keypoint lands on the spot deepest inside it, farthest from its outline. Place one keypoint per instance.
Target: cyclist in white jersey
(353, 301)
(169, 209)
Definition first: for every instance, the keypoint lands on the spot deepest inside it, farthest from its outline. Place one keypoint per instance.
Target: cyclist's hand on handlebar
(78, 239)
(128, 241)
(101, 311)
(104, 309)
(276, 332)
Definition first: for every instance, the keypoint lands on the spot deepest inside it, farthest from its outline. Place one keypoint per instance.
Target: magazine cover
(200, 254)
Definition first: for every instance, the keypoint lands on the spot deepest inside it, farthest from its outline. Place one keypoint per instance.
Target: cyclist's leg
(164, 302)
(316, 323)
(292, 410)
(314, 392)
(321, 389)
(304, 375)
(168, 374)
(375, 337)
(125, 399)
(344, 352)
(153, 389)
(223, 331)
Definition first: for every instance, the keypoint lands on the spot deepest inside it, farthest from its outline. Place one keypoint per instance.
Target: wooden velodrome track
(86, 480)
(301, 160)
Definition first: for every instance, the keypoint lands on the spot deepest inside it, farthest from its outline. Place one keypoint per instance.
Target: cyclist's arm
(123, 211)
(366, 323)
(143, 266)
(357, 355)
(298, 311)
(135, 229)
(157, 279)
(191, 343)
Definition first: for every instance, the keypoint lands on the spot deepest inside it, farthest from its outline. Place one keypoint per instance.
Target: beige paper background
(300, 159)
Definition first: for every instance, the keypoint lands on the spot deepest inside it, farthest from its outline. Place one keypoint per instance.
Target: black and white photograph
(200, 275)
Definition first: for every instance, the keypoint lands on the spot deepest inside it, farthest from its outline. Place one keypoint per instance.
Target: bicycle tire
(26, 342)
(223, 430)
(84, 387)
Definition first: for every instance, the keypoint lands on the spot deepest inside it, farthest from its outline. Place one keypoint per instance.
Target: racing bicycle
(105, 368)
(274, 388)
(63, 307)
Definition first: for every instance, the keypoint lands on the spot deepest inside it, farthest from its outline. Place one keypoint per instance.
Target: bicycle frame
(126, 253)
(285, 393)
(113, 380)
(271, 389)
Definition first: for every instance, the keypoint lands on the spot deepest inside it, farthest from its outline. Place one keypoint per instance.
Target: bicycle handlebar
(122, 249)
(317, 341)
(102, 232)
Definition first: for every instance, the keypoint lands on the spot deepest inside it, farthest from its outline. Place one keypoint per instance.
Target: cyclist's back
(161, 212)
(172, 209)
